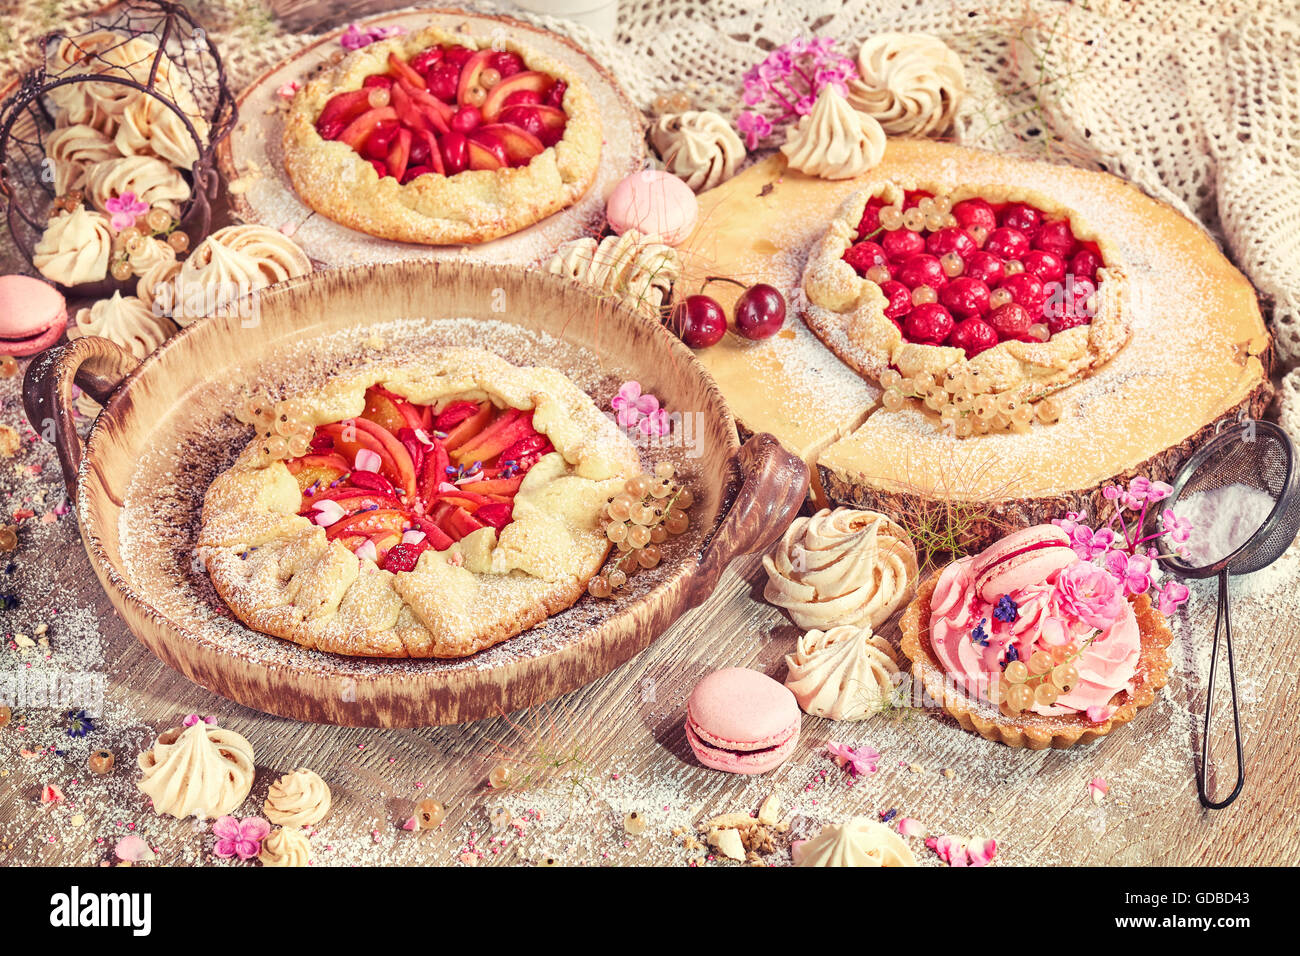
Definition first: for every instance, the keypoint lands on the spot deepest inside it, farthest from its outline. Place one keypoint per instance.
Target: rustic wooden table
(583, 762)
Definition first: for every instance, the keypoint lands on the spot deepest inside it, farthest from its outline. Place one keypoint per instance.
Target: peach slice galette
(430, 510)
(439, 138)
(995, 296)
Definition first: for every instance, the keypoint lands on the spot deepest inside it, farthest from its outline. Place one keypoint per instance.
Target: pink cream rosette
(1071, 605)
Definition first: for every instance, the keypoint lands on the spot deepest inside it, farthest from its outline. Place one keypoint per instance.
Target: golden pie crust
(1031, 730)
(470, 207)
(280, 575)
(847, 311)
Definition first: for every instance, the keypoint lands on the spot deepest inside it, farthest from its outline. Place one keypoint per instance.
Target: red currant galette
(441, 138)
(1002, 288)
(430, 510)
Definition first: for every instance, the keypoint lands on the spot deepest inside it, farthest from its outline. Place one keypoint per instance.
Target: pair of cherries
(700, 322)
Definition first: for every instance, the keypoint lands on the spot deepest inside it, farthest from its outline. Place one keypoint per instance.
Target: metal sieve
(1260, 455)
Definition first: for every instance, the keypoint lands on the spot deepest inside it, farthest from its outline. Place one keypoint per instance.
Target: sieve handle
(1222, 620)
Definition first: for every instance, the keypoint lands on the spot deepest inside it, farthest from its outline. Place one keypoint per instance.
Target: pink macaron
(654, 202)
(33, 314)
(1026, 557)
(742, 721)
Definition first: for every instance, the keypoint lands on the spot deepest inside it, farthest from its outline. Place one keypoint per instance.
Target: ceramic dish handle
(96, 366)
(774, 484)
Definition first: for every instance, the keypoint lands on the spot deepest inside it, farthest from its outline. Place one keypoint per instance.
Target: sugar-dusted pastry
(654, 203)
(1030, 645)
(200, 770)
(634, 268)
(285, 846)
(33, 314)
(125, 320)
(230, 263)
(74, 248)
(857, 842)
(846, 673)
(841, 567)
(73, 150)
(834, 141)
(698, 146)
(741, 721)
(298, 799)
(428, 509)
(525, 141)
(911, 82)
(152, 180)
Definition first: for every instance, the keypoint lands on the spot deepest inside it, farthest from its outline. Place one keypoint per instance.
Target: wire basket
(146, 79)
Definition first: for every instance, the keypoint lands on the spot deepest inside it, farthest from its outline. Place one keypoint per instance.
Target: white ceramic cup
(600, 16)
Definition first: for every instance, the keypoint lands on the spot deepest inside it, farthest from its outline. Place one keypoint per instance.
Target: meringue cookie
(699, 146)
(152, 180)
(858, 842)
(74, 248)
(654, 203)
(635, 268)
(230, 263)
(911, 83)
(125, 320)
(298, 799)
(834, 141)
(149, 127)
(72, 150)
(841, 567)
(845, 673)
(200, 770)
(284, 846)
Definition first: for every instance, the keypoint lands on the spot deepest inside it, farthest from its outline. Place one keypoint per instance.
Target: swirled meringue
(637, 269)
(231, 263)
(834, 141)
(74, 248)
(157, 288)
(152, 253)
(152, 180)
(285, 846)
(698, 146)
(298, 799)
(845, 673)
(200, 770)
(125, 320)
(72, 150)
(858, 842)
(149, 127)
(841, 567)
(911, 83)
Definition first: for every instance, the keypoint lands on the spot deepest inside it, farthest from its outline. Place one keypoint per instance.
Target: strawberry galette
(430, 510)
(438, 138)
(1000, 285)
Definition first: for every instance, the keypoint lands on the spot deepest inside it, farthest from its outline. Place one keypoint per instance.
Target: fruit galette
(436, 137)
(430, 510)
(1002, 289)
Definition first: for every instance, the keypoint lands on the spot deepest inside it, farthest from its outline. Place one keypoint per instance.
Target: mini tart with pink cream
(1029, 645)
(439, 138)
(1005, 285)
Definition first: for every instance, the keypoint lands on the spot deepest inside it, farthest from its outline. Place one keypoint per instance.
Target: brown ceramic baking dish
(167, 430)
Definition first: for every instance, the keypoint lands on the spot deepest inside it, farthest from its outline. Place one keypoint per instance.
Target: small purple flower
(125, 210)
(241, 838)
(1133, 571)
(1172, 596)
(1006, 610)
(1178, 529)
(978, 635)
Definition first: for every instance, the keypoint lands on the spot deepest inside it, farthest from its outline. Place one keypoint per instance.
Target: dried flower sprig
(784, 86)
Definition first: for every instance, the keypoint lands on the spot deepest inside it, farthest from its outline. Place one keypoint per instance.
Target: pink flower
(856, 760)
(1171, 597)
(1133, 571)
(192, 719)
(354, 37)
(133, 849)
(287, 90)
(1087, 593)
(910, 827)
(754, 125)
(1099, 713)
(631, 396)
(125, 210)
(1098, 788)
(1089, 543)
(241, 838)
(1179, 529)
(956, 852)
(656, 424)
(1072, 520)
(1140, 491)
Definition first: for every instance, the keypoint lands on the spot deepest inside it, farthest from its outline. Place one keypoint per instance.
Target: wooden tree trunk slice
(1199, 352)
(252, 161)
